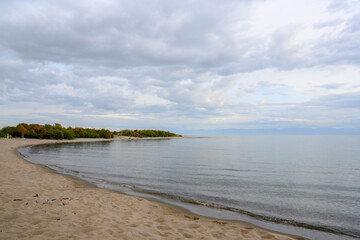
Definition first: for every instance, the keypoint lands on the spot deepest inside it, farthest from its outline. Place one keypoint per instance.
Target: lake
(302, 185)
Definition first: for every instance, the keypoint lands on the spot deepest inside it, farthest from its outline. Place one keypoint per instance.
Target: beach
(36, 203)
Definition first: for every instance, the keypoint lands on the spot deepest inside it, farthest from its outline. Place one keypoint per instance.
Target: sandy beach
(36, 203)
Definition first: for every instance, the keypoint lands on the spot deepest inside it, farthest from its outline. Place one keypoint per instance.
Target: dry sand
(82, 211)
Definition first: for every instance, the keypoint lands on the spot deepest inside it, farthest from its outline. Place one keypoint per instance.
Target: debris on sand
(193, 218)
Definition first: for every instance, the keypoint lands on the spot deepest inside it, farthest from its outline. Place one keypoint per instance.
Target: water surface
(304, 185)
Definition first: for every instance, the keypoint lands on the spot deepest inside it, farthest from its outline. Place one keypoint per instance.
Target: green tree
(55, 131)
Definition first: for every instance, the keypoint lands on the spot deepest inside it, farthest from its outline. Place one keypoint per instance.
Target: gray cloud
(337, 101)
(121, 34)
(342, 49)
(332, 86)
(165, 59)
(330, 23)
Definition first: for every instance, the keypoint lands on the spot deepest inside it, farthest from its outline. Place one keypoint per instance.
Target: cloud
(300, 120)
(332, 86)
(337, 101)
(330, 23)
(120, 33)
(202, 63)
(341, 48)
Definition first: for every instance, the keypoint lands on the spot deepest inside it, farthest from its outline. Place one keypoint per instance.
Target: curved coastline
(83, 210)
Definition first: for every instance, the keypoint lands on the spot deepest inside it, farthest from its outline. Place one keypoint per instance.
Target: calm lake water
(302, 185)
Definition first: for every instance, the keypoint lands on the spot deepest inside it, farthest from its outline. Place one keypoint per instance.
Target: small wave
(272, 219)
(337, 231)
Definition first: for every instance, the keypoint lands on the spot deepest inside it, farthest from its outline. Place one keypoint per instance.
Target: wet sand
(36, 203)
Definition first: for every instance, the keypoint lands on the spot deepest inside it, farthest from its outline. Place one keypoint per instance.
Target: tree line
(147, 133)
(55, 131)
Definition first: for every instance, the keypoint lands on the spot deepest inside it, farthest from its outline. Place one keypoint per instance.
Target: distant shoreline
(149, 138)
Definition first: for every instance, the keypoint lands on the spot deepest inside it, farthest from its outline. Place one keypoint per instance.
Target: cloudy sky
(181, 65)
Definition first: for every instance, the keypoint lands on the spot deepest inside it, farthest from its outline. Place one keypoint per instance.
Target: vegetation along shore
(59, 132)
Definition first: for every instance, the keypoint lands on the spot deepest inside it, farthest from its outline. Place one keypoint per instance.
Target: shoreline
(82, 210)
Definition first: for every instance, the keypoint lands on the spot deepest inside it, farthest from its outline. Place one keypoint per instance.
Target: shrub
(147, 133)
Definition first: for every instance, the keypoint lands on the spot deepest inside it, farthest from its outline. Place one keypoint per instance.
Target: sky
(184, 66)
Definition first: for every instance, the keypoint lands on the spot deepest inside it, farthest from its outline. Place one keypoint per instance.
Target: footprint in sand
(163, 227)
(244, 232)
(186, 235)
(218, 235)
(160, 220)
(193, 225)
(267, 236)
